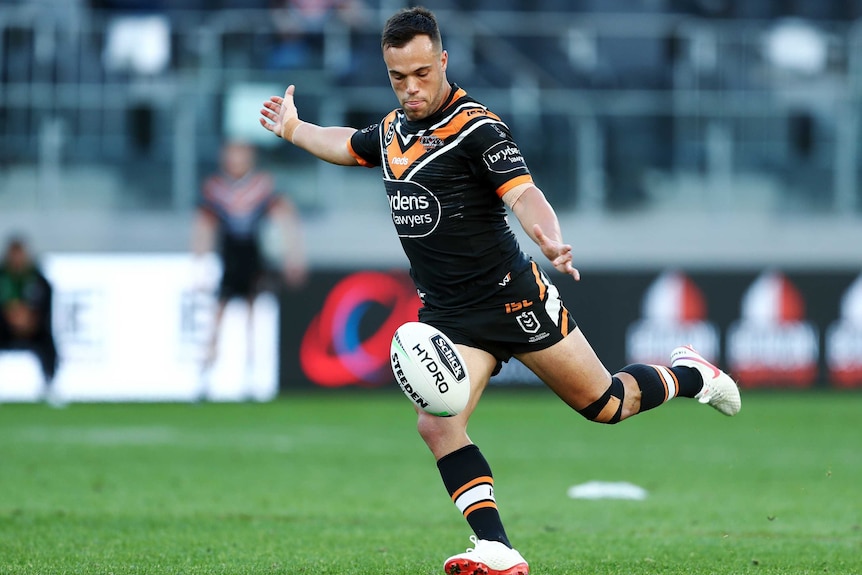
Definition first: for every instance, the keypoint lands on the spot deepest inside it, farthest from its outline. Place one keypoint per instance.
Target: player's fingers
(564, 252)
(540, 235)
(265, 124)
(288, 94)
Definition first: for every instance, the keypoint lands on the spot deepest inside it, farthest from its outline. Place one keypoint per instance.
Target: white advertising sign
(136, 327)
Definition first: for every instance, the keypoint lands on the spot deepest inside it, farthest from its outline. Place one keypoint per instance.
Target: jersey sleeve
(364, 145)
(496, 158)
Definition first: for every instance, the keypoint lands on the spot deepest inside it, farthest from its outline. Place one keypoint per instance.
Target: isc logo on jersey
(429, 369)
(415, 210)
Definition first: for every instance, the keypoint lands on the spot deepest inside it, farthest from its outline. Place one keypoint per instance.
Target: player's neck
(447, 99)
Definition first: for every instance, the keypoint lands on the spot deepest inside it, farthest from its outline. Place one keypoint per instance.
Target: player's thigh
(571, 369)
(480, 365)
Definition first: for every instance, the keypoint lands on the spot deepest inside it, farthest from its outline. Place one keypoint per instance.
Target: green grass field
(341, 484)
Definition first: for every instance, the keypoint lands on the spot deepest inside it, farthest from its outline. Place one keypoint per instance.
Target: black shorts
(242, 272)
(240, 282)
(526, 315)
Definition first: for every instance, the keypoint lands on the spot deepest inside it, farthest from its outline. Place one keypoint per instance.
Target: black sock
(467, 477)
(659, 383)
(690, 380)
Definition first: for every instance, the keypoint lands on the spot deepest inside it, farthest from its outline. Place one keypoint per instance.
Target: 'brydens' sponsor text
(503, 157)
(415, 210)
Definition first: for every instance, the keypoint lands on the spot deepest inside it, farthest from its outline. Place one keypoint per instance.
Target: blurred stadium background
(704, 157)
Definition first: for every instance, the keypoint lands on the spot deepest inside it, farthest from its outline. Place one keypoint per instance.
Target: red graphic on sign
(334, 353)
(772, 344)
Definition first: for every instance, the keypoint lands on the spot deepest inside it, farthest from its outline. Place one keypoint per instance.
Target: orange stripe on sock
(675, 380)
(484, 479)
(663, 382)
(479, 505)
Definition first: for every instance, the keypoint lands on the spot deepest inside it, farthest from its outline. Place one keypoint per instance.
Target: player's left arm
(540, 221)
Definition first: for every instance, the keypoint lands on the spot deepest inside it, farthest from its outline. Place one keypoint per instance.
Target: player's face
(17, 258)
(237, 160)
(417, 72)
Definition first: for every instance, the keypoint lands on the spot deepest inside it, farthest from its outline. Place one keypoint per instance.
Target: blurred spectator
(25, 310)
(300, 27)
(230, 216)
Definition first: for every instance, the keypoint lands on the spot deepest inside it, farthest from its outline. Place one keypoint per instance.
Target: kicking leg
(574, 372)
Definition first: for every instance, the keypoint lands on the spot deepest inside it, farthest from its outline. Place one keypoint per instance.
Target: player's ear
(444, 59)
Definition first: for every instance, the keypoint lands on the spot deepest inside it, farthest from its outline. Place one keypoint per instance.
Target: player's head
(237, 159)
(416, 61)
(17, 257)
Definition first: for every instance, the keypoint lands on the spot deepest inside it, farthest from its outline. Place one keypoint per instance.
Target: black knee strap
(609, 407)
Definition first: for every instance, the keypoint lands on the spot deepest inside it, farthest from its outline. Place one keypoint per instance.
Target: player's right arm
(329, 143)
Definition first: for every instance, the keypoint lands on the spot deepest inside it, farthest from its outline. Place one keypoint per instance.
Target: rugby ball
(429, 370)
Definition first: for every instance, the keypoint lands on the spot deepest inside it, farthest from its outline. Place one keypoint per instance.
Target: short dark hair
(408, 23)
(16, 241)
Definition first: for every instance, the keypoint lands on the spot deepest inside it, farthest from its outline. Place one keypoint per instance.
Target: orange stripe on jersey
(460, 93)
(400, 160)
(542, 287)
(458, 121)
(514, 182)
(479, 505)
(484, 479)
(356, 156)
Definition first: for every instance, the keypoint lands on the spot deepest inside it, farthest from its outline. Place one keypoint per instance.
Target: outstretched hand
(560, 255)
(279, 115)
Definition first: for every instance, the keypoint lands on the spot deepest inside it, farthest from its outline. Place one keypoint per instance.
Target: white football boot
(719, 389)
(486, 558)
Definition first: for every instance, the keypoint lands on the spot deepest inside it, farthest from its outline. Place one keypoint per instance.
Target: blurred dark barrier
(769, 328)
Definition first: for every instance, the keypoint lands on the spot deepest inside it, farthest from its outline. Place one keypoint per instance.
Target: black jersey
(445, 176)
(239, 205)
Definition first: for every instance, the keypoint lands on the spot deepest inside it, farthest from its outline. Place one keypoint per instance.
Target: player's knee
(609, 407)
(441, 433)
(431, 428)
